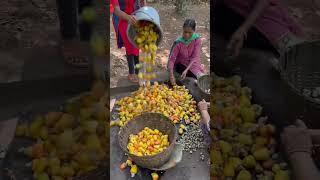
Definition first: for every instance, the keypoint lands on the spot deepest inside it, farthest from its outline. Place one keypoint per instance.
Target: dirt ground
(171, 24)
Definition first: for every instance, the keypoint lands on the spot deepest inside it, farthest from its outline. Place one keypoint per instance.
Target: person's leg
(131, 64)
(131, 51)
(73, 52)
(85, 28)
(179, 68)
(136, 61)
(67, 13)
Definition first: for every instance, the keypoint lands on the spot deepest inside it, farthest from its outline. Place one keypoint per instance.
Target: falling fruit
(145, 40)
(154, 176)
(123, 166)
(88, 15)
(134, 170)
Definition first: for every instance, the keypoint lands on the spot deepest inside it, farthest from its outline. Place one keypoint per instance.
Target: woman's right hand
(131, 20)
(236, 42)
(172, 80)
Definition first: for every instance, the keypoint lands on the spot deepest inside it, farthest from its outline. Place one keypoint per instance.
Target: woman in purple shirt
(262, 24)
(185, 54)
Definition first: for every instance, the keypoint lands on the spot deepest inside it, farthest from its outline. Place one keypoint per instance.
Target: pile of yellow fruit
(146, 41)
(244, 147)
(72, 142)
(176, 104)
(147, 142)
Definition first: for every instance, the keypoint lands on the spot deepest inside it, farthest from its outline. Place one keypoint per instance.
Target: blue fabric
(115, 20)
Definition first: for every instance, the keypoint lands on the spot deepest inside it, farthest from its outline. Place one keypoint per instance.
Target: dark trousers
(68, 12)
(179, 68)
(132, 62)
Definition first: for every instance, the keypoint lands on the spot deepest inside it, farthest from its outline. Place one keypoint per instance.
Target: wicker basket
(204, 83)
(300, 68)
(153, 121)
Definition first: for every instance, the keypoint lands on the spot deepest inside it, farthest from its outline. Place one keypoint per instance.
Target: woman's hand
(297, 139)
(131, 20)
(236, 41)
(184, 74)
(172, 80)
(203, 108)
(203, 105)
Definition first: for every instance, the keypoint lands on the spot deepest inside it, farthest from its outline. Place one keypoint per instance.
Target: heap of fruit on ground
(71, 142)
(244, 147)
(175, 103)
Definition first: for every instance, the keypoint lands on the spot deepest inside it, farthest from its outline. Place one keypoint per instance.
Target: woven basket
(153, 121)
(204, 83)
(300, 68)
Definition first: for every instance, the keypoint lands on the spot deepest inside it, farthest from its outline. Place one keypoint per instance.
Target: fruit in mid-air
(154, 176)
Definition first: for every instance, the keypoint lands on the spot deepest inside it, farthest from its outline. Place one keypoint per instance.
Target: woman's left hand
(184, 74)
(203, 105)
(236, 41)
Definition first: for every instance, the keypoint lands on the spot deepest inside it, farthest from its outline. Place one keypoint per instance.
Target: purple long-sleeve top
(274, 22)
(185, 54)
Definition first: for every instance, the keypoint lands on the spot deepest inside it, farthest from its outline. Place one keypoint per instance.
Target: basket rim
(298, 92)
(172, 143)
(206, 75)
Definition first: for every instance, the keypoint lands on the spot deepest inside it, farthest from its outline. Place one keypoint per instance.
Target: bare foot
(76, 53)
(133, 78)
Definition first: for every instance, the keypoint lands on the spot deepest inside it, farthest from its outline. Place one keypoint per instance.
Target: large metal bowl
(153, 121)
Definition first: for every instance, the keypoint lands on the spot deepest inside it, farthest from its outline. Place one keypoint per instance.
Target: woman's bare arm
(303, 166)
(257, 10)
(120, 14)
